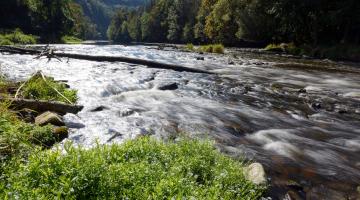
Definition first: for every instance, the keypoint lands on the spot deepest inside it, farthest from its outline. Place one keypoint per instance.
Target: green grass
(139, 169)
(67, 39)
(17, 37)
(37, 88)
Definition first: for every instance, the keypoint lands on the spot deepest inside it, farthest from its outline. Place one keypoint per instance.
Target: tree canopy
(233, 21)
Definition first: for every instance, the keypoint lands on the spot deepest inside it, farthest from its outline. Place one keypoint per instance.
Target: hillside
(100, 12)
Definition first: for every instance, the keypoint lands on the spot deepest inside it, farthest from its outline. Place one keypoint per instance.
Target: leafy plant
(212, 48)
(138, 169)
(38, 88)
(70, 40)
(17, 37)
(190, 47)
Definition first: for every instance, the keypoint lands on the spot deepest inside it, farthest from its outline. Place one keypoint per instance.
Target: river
(300, 118)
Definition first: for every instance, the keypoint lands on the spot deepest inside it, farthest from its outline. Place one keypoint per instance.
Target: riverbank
(173, 169)
(339, 52)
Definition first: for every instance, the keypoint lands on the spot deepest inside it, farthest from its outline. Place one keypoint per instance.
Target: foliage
(18, 138)
(190, 47)
(38, 88)
(17, 37)
(138, 169)
(212, 48)
(231, 22)
(70, 40)
(100, 12)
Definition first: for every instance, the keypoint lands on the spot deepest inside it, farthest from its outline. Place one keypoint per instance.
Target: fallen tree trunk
(42, 106)
(149, 63)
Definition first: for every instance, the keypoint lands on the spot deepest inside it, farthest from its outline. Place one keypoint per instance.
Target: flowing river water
(299, 118)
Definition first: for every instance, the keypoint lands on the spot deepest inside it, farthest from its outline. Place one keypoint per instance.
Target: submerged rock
(200, 58)
(49, 118)
(99, 108)
(168, 86)
(256, 173)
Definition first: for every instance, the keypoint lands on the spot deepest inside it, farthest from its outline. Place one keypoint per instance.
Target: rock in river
(256, 173)
(168, 86)
(49, 118)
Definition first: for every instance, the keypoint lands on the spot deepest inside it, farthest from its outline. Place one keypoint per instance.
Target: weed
(138, 169)
(39, 89)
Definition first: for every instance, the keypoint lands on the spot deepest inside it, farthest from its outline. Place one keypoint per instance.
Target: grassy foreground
(139, 169)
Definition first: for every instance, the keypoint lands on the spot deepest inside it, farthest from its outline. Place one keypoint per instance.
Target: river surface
(299, 118)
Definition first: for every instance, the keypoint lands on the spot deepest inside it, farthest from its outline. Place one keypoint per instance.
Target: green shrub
(212, 48)
(138, 169)
(17, 37)
(37, 88)
(218, 48)
(67, 39)
(17, 138)
(190, 47)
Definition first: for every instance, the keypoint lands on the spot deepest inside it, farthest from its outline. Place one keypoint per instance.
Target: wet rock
(231, 63)
(61, 133)
(316, 106)
(49, 118)
(100, 108)
(200, 58)
(168, 86)
(247, 88)
(255, 173)
(302, 91)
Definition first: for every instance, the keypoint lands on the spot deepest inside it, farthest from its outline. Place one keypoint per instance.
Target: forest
(50, 20)
(230, 22)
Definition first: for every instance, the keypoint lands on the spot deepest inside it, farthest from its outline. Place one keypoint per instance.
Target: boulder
(168, 86)
(49, 118)
(99, 108)
(60, 133)
(256, 173)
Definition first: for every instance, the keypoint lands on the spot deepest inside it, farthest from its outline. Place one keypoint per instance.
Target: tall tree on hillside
(52, 18)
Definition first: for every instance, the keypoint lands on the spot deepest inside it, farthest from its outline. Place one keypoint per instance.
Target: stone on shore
(49, 118)
(256, 174)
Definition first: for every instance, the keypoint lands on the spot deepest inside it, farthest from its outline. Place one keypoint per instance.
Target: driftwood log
(148, 63)
(42, 106)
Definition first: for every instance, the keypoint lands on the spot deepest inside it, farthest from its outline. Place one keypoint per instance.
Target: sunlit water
(250, 107)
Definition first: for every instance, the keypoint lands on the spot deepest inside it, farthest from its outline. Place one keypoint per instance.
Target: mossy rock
(49, 118)
(60, 133)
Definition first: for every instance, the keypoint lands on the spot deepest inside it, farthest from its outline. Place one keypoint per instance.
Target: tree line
(231, 22)
(48, 19)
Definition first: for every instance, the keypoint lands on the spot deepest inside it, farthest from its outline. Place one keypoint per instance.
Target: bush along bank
(143, 168)
(210, 48)
(345, 52)
(17, 37)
